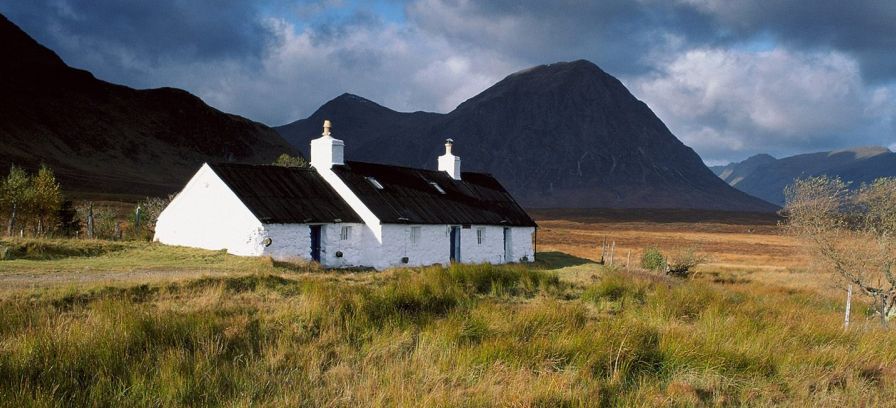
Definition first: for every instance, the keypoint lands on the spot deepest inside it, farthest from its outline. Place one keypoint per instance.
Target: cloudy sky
(730, 78)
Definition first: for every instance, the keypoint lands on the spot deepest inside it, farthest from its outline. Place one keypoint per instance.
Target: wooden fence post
(848, 305)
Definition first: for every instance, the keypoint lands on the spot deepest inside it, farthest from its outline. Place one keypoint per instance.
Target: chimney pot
(326, 151)
(448, 162)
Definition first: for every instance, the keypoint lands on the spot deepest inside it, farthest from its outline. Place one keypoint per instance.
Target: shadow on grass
(556, 260)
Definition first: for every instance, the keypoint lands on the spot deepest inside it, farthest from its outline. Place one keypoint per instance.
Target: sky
(730, 78)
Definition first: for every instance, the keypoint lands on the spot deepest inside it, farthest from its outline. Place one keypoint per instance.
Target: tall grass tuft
(458, 336)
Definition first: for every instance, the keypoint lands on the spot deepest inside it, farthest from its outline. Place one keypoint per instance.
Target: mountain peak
(565, 134)
(577, 67)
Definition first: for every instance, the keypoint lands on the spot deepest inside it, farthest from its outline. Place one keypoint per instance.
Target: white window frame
(346, 233)
(415, 234)
(480, 235)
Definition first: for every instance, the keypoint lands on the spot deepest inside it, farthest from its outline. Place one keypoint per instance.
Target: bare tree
(851, 231)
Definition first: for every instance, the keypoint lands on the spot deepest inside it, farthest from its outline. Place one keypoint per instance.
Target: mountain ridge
(109, 140)
(768, 179)
(565, 134)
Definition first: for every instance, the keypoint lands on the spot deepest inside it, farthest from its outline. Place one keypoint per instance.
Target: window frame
(415, 234)
(345, 234)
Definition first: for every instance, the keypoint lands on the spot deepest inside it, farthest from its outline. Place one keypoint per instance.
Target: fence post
(848, 305)
(612, 252)
(90, 220)
(137, 221)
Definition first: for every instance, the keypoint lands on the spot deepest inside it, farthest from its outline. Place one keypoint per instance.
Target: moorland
(92, 322)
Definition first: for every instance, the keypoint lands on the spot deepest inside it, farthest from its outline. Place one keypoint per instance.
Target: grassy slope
(463, 336)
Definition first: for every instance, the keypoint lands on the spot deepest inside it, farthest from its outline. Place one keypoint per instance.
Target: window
(480, 235)
(346, 233)
(415, 235)
(374, 182)
(437, 187)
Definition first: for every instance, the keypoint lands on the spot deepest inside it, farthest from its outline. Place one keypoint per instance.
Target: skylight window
(437, 187)
(375, 183)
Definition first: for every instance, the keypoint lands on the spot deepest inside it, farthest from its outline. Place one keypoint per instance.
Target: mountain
(559, 135)
(765, 177)
(107, 140)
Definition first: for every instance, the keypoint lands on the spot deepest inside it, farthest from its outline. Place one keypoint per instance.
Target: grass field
(135, 324)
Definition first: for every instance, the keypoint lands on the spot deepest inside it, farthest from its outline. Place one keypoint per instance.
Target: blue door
(315, 242)
(455, 244)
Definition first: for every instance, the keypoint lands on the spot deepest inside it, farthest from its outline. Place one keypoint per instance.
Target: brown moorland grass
(744, 247)
(460, 336)
(191, 327)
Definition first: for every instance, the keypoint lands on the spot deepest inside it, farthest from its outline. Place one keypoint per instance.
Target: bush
(683, 263)
(653, 259)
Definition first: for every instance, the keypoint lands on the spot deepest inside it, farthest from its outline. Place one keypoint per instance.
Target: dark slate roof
(407, 197)
(283, 195)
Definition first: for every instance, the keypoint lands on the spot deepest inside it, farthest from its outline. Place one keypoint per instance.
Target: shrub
(683, 263)
(653, 259)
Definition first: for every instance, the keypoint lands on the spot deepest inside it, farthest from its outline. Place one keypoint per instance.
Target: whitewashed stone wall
(355, 250)
(208, 215)
(490, 251)
(431, 248)
(523, 243)
(288, 241)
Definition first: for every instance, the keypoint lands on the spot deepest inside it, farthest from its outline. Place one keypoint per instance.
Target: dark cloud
(865, 30)
(120, 40)
(730, 77)
(618, 34)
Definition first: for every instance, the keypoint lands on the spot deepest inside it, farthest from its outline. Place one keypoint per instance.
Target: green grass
(66, 255)
(468, 335)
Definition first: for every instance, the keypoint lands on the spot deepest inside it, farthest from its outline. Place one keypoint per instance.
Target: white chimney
(326, 151)
(448, 162)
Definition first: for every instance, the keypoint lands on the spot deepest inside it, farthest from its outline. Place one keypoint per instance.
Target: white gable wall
(208, 215)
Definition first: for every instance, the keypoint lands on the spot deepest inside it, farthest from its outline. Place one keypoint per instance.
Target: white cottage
(345, 213)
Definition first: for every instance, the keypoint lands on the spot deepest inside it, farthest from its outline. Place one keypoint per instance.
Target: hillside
(107, 140)
(765, 177)
(558, 135)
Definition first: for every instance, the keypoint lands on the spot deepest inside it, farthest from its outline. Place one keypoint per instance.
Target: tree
(851, 231)
(286, 160)
(149, 210)
(46, 200)
(15, 196)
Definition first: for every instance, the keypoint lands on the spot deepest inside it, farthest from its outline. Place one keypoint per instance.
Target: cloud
(731, 103)
(392, 64)
(730, 78)
(617, 34)
(864, 30)
(125, 41)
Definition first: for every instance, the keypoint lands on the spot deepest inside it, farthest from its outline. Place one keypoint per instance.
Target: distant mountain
(109, 140)
(765, 177)
(559, 135)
